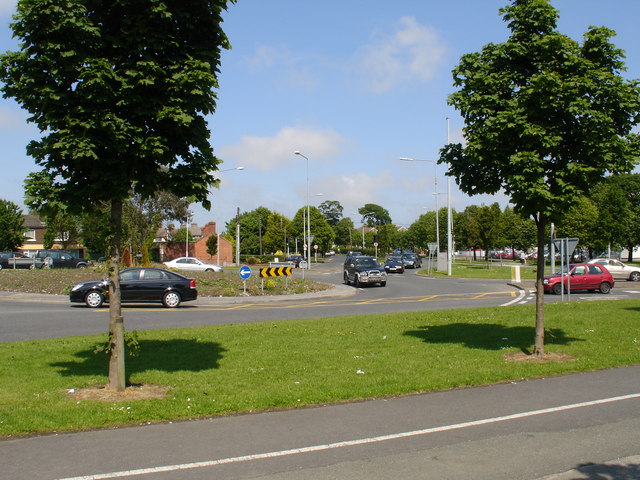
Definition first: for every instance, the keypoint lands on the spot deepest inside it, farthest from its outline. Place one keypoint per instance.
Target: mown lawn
(225, 369)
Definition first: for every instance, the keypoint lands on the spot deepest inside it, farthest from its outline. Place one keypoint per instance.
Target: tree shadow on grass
(164, 355)
(487, 336)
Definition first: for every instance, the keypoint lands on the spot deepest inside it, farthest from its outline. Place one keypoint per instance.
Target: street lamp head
(239, 168)
(406, 159)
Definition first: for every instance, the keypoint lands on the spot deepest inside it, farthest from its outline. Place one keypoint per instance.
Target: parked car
(618, 269)
(139, 285)
(580, 276)
(295, 260)
(393, 264)
(411, 260)
(192, 264)
(364, 270)
(62, 259)
(19, 260)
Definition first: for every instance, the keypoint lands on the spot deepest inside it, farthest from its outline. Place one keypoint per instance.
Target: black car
(394, 264)
(139, 285)
(62, 259)
(364, 270)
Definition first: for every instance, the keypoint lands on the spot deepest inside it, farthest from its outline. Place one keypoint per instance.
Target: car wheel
(81, 265)
(605, 287)
(383, 284)
(94, 299)
(634, 277)
(209, 270)
(171, 299)
(346, 278)
(557, 289)
(356, 282)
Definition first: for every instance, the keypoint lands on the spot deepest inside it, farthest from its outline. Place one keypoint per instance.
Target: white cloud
(354, 191)
(294, 69)
(413, 52)
(267, 153)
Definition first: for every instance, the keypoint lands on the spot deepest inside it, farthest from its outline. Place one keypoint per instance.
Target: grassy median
(218, 370)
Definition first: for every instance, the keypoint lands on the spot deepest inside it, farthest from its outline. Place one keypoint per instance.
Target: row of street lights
(306, 226)
(449, 219)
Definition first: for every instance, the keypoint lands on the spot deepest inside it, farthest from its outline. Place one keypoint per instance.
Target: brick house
(197, 248)
(34, 237)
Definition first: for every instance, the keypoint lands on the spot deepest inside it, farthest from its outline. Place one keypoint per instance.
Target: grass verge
(225, 369)
(222, 284)
(484, 270)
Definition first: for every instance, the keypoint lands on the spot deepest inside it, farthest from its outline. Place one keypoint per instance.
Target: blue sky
(353, 85)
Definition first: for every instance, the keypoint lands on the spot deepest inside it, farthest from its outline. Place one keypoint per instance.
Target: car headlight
(545, 281)
(76, 287)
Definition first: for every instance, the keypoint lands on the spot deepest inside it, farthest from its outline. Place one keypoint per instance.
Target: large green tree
(618, 201)
(253, 226)
(344, 234)
(120, 90)
(274, 238)
(545, 118)
(332, 211)
(373, 215)
(12, 227)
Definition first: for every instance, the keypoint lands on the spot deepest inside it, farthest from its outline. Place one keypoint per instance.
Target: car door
(65, 260)
(130, 285)
(579, 278)
(187, 264)
(597, 276)
(616, 269)
(152, 284)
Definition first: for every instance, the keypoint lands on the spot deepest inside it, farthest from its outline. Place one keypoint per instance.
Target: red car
(582, 276)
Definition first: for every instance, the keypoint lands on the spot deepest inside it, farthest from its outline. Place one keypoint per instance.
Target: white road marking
(521, 294)
(349, 443)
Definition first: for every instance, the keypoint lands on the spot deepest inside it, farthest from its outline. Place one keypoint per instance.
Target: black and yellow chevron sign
(275, 271)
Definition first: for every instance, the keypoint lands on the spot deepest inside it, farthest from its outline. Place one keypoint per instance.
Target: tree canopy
(545, 119)
(120, 91)
(12, 227)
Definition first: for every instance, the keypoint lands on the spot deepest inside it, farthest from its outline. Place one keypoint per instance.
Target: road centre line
(343, 302)
(350, 443)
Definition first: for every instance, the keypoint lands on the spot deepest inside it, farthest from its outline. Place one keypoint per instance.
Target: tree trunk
(117, 380)
(538, 349)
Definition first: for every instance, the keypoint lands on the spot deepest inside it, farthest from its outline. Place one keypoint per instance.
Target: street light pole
(449, 219)
(217, 232)
(449, 223)
(304, 227)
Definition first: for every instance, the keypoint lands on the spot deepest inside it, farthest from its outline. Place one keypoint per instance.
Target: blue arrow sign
(245, 272)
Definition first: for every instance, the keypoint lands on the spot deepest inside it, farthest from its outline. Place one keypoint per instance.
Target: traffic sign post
(245, 272)
(277, 271)
(566, 247)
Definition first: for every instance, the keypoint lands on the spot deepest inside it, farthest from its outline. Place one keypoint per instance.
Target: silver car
(192, 264)
(618, 269)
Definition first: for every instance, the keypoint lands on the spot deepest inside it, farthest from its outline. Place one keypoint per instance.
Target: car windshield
(393, 259)
(564, 270)
(366, 262)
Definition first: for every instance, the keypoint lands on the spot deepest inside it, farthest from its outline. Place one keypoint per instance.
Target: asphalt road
(35, 317)
(581, 426)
